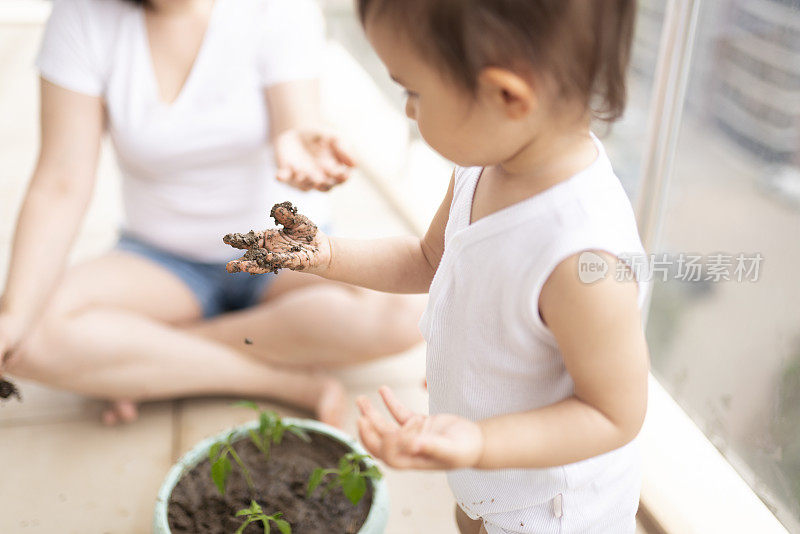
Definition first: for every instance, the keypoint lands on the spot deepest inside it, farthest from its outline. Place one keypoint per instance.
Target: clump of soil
(196, 506)
(268, 250)
(9, 389)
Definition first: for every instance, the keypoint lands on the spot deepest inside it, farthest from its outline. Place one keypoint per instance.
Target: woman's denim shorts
(217, 290)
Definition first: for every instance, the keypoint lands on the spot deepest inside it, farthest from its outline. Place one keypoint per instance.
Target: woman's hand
(416, 441)
(311, 159)
(11, 330)
(299, 246)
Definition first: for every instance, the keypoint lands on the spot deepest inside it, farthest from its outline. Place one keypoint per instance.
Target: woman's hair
(582, 46)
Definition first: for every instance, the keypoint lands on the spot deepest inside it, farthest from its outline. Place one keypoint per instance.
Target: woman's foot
(328, 406)
(331, 402)
(121, 411)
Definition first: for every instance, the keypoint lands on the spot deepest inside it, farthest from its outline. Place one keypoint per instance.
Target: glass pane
(624, 141)
(724, 326)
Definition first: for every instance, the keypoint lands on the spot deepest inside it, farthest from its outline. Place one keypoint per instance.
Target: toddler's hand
(299, 246)
(310, 159)
(416, 441)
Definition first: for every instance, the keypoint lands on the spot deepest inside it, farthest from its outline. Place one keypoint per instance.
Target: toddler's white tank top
(489, 353)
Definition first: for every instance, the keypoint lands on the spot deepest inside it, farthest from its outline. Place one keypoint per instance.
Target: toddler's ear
(512, 93)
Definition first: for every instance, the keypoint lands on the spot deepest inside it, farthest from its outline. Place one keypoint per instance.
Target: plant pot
(375, 522)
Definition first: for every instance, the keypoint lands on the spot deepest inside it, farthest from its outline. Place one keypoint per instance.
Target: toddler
(537, 374)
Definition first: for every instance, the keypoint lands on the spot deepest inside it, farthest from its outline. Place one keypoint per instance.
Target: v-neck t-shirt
(201, 166)
(490, 354)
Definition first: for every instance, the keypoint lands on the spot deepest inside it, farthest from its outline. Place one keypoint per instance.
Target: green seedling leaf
(220, 470)
(246, 404)
(349, 476)
(299, 432)
(314, 480)
(277, 433)
(344, 463)
(258, 442)
(354, 487)
(255, 514)
(373, 472)
(213, 452)
(283, 526)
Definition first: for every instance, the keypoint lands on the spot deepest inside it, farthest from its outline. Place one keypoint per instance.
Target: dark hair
(581, 45)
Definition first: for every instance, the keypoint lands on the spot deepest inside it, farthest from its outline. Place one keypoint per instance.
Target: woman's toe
(109, 417)
(126, 411)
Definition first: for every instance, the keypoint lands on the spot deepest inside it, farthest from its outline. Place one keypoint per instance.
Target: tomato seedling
(221, 465)
(349, 476)
(255, 514)
(271, 428)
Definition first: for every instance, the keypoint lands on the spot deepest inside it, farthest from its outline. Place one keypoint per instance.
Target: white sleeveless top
(202, 166)
(489, 353)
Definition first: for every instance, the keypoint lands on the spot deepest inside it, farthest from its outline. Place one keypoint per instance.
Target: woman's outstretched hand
(416, 441)
(309, 159)
(299, 245)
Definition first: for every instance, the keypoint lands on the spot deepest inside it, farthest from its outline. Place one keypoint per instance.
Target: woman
(205, 102)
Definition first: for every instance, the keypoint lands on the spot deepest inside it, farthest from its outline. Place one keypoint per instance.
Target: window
(725, 338)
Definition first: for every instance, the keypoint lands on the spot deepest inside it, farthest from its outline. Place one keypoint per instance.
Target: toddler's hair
(582, 46)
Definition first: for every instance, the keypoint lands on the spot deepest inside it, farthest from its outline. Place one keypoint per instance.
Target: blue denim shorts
(217, 290)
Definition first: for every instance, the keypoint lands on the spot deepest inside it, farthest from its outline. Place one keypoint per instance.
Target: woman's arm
(56, 200)
(308, 156)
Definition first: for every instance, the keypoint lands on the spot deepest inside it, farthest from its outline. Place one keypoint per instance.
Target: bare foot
(121, 411)
(331, 403)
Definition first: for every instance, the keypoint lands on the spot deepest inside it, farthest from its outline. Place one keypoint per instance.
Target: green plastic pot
(378, 512)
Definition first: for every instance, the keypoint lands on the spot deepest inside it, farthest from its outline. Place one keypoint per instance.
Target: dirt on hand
(291, 247)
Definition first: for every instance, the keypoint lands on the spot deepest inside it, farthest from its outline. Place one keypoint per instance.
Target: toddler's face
(468, 129)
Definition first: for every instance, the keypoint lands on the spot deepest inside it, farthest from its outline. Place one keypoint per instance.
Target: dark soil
(196, 506)
(268, 250)
(9, 389)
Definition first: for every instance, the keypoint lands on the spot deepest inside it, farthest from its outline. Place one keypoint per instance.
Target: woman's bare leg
(112, 332)
(307, 321)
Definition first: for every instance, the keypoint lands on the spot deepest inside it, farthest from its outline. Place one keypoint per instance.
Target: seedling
(271, 428)
(221, 464)
(349, 476)
(255, 514)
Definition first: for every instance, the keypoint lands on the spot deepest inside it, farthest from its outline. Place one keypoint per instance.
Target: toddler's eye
(410, 94)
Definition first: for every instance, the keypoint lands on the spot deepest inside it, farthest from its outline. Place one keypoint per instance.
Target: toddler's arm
(397, 264)
(598, 330)
(599, 333)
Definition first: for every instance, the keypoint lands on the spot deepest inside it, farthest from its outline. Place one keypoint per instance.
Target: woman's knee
(399, 316)
(40, 355)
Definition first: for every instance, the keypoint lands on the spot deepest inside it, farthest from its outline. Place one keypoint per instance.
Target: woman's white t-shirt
(201, 166)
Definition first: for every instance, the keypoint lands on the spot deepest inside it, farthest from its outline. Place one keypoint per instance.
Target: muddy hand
(299, 245)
